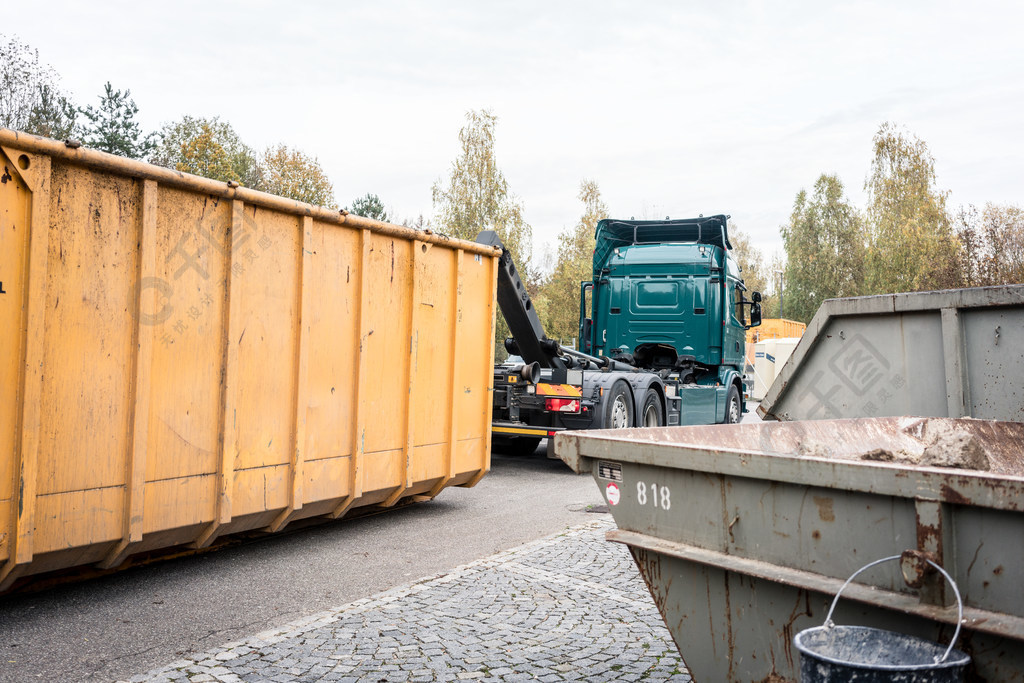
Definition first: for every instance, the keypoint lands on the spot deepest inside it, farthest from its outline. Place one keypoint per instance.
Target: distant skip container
(182, 358)
(950, 353)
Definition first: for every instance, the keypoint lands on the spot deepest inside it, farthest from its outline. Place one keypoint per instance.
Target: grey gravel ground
(567, 607)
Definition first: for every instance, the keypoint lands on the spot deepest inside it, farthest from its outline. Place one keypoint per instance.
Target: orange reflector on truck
(558, 390)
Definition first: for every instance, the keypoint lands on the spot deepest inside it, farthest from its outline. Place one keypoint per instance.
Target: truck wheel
(652, 416)
(519, 446)
(733, 408)
(618, 411)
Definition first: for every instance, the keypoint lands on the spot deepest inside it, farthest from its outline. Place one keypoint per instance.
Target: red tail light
(563, 405)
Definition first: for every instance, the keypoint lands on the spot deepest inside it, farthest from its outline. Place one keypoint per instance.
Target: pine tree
(112, 127)
(369, 206)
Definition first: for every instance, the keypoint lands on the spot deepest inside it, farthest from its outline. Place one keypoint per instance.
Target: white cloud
(673, 108)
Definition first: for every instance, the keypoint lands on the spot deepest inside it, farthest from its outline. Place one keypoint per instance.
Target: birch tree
(31, 99)
(911, 244)
(475, 196)
(574, 265)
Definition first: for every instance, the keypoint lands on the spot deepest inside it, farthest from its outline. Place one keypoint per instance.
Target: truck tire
(652, 415)
(518, 446)
(618, 408)
(733, 407)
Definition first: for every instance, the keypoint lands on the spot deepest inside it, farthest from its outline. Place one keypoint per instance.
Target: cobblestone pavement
(567, 607)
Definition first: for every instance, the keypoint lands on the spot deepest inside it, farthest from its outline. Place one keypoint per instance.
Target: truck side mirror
(585, 330)
(755, 312)
(755, 297)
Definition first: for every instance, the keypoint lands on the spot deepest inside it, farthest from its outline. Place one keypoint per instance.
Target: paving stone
(568, 607)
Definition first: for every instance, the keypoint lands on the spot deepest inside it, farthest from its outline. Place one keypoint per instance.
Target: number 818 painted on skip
(661, 496)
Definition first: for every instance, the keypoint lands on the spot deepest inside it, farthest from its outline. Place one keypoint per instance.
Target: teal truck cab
(662, 336)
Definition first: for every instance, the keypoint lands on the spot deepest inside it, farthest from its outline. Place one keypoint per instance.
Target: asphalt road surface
(129, 622)
(122, 624)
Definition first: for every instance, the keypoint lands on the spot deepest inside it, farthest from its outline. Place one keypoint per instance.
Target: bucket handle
(959, 603)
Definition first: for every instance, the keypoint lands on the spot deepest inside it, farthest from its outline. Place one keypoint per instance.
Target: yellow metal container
(181, 359)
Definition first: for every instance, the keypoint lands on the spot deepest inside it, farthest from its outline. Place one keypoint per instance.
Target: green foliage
(476, 197)
(824, 242)
(204, 156)
(30, 99)
(290, 173)
(561, 294)
(911, 244)
(53, 115)
(992, 245)
(207, 147)
(112, 127)
(369, 206)
(211, 148)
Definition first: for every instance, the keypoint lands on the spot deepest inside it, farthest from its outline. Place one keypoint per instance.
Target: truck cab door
(734, 325)
(586, 344)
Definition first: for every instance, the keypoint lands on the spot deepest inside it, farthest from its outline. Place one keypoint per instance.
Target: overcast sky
(674, 108)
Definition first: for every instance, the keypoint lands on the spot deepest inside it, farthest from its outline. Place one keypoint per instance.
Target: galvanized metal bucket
(831, 653)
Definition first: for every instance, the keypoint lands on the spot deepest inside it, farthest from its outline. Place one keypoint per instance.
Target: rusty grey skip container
(745, 532)
(951, 353)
